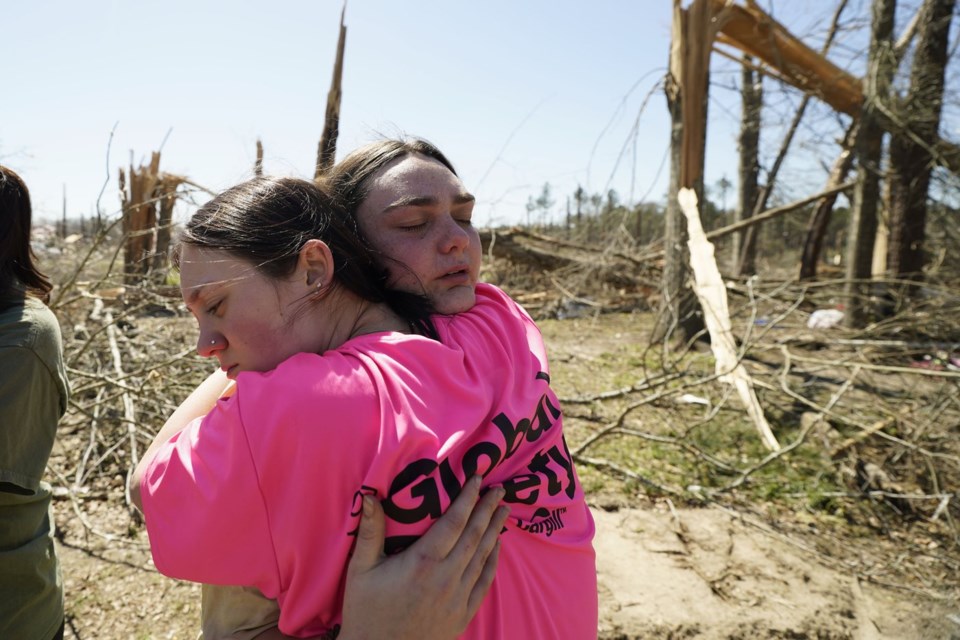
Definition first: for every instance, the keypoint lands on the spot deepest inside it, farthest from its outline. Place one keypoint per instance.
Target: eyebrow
(196, 291)
(425, 201)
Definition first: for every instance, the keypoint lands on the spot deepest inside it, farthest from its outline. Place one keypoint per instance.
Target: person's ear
(315, 264)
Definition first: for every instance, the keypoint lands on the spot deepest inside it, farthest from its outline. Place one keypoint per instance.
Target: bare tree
(820, 218)
(748, 251)
(867, 149)
(748, 144)
(911, 161)
(675, 302)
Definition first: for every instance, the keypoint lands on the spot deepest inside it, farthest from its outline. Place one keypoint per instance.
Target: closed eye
(212, 310)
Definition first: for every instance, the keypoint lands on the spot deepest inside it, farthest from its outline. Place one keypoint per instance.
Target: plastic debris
(825, 319)
(689, 398)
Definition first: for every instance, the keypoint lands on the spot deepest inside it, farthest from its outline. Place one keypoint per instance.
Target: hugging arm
(198, 403)
(431, 590)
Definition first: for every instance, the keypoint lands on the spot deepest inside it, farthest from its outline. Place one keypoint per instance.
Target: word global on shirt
(416, 492)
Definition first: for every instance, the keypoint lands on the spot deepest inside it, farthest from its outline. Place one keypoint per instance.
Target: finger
(484, 581)
(487, 543)
(370, 535)
(445, 533)
(481, 522)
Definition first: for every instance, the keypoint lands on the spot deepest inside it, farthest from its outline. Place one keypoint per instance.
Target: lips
(458, 275)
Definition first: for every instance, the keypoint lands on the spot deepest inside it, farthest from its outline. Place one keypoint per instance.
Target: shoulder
(335, 400)
(494, 304)
(339, 379)
(494, 331)
(494, 312)
(28, 324)
(492, 297)
(30, 333)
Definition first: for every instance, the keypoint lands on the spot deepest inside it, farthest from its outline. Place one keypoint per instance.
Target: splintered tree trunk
(678, 306)
(867, 148)
(166, 195)
(139, 218)
(820, 219)
(258, 164)
(674, 240)
(327, 149)
(144, 195)
(910, 159)
(748, 144)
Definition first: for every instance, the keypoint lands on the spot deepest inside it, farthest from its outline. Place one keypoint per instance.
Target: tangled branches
(870, 422)
(130, 360)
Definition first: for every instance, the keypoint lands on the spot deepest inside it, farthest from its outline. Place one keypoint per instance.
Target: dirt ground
(667, 569)
(713, 573)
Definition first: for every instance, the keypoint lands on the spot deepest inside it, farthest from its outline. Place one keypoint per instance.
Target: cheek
(475, 252)
(259, 331)
(407, 260)
(265, 347)
(392, 245)
(406, 275)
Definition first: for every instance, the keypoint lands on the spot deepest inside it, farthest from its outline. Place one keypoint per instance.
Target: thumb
(370, 536)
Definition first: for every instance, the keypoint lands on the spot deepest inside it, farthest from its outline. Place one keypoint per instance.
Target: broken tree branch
(709, 287)
(327, 149)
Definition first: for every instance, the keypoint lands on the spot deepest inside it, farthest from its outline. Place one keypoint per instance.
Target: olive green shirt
(33, 397)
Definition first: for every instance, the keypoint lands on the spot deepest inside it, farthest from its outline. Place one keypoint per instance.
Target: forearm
(198, 403)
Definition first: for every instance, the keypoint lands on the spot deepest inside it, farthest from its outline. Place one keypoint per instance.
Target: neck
(374, 317)
(359, 317)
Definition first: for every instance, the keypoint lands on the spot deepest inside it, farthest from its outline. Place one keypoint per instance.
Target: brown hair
(266, 221)
(18, 271)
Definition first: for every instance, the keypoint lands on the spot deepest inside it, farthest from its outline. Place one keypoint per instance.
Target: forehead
(200, 267)
(412, 175)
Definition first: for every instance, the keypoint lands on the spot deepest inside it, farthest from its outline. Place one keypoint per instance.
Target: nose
(208, 343)
(454, 236)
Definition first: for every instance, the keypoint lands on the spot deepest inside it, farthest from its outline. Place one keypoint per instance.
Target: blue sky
(517, 93)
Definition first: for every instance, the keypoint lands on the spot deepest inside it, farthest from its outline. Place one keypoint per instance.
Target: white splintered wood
(712, 294)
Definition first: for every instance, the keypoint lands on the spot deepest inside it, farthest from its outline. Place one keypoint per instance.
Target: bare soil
(672, 564)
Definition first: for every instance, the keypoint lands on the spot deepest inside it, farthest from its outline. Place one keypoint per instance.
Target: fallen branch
(879, 367)
(632, 475)
(643, 385)
(618, 423)
(129, 412)
(863, 435)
